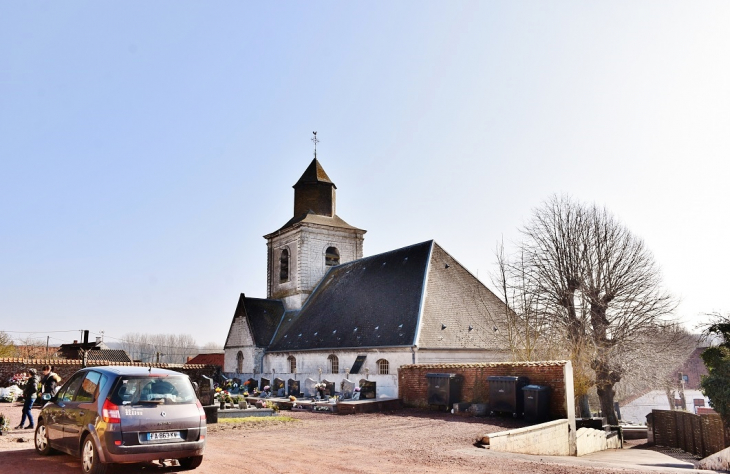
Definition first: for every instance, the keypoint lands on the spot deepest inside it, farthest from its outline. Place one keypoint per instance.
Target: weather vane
(315, 141)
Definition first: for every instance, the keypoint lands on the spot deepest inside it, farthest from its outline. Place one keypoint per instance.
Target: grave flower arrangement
(19, 379)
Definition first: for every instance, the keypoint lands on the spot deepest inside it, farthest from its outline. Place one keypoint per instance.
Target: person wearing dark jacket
(30, 392)
(50, 380)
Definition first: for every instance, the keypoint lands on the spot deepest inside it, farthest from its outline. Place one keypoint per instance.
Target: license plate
(163, 435)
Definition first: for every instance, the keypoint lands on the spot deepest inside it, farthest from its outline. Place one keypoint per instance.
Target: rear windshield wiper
(152, 402)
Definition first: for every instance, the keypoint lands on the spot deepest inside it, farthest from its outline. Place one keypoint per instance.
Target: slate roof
(108, 355)
(314, 174)
(312, 218)
(370, 302)
(263, 316)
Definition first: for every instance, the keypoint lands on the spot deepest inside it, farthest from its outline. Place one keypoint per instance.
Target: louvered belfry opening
(332, 257)
(284, 265)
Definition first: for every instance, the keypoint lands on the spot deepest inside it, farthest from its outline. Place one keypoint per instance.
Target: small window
(334, 364)
(292, 364)
(284, 265)
(239, 362)
(332, 257)
(383, 367)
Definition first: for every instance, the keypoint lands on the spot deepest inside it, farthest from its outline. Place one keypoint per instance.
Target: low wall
(702, 435)
(589, 441)
(719, 461)
(65, 368)
(547, 439)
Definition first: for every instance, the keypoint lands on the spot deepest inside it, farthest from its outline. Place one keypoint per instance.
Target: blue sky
(146, 147)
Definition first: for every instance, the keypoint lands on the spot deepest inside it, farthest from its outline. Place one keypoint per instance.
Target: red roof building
(208, 359)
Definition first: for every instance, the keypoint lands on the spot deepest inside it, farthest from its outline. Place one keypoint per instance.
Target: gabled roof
(371, 302)
(314, 174)
(108, 355)
(208, 359)
(262, 315)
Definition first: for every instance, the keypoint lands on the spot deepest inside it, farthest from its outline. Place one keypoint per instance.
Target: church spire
(314, 192)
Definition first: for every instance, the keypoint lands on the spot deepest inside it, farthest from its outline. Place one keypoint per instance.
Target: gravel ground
(408, 441)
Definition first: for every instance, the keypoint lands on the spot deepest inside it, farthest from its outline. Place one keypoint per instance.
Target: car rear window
(168, 390)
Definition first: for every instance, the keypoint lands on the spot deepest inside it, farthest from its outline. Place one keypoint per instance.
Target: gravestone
(251, 385)
(329, 390)
(294, 388)
(264, 382)
(348, 388)
(206, 391)
(309, 387)
(367, 389)
(236, 385)
(278, 385)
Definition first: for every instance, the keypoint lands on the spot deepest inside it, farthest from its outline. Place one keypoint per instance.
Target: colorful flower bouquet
(19, 379)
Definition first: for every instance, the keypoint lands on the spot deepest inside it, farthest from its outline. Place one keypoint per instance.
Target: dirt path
(406, 442)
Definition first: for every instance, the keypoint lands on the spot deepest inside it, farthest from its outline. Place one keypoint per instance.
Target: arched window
(292, 364)
(239, 362)
(284, 265)
(334, 364)
(383, 367)
(332, 257)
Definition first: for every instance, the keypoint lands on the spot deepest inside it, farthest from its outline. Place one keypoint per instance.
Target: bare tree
(6, 345)
(655, 362)
(211, 347)
(597, 281)
(30, 348)
(169, 348)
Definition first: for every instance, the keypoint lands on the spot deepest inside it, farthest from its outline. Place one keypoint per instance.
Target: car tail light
(200, 410)
(110, 412)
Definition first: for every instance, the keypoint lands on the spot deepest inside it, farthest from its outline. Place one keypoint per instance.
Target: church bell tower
(300, 252)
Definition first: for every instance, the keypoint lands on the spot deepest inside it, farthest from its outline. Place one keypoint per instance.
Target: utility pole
(48, 338)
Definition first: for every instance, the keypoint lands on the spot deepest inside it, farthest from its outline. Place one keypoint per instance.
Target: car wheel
(90, 462)
(42, 445)
(191, 462)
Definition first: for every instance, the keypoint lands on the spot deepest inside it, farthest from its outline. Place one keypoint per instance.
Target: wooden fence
(697, 434)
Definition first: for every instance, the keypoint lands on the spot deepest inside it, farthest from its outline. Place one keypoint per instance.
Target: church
(332, 314)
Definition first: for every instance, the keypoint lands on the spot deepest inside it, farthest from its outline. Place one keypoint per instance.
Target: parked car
(121, 414)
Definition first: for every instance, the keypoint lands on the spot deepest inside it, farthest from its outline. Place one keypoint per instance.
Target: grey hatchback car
(119, 414)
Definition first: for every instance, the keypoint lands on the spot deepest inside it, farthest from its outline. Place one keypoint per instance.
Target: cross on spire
(315, 141)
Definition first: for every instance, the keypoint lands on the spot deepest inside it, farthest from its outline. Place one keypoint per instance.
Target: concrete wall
(589, 441)
(547, 439)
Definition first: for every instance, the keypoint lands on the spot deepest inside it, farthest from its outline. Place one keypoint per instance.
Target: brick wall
(65, 368)
(698, 434)
(413, 386)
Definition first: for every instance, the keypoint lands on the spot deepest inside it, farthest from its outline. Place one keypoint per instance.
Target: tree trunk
(605, 395)
(585, 408)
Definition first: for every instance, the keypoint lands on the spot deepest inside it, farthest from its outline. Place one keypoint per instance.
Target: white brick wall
(307, 244)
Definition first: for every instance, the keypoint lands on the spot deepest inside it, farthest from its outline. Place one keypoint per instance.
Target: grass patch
(257, 419)
(251, 422)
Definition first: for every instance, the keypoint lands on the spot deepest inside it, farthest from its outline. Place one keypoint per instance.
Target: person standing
(50, 380)
(30, 392)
